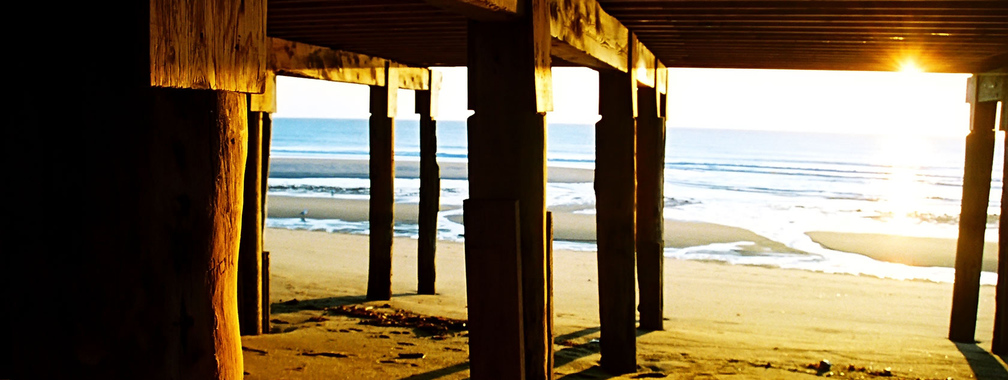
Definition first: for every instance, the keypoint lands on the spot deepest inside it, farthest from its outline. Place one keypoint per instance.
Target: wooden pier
(149, 125)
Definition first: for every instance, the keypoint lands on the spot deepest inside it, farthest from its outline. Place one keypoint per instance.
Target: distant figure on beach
(304, 213)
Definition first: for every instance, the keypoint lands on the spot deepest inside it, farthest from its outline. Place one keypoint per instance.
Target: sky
(789, 100)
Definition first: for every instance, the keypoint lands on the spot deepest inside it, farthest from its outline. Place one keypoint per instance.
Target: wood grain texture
(303, 60)
(615, 194)
(585, 34)
(972, 222)
(316, 62)
(484, 10)
(218, 44)
(266, 101)
(494, 289)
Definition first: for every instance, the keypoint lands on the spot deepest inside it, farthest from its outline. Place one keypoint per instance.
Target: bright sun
(910, 67)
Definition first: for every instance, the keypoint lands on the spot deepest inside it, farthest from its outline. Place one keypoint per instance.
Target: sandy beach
(723, 321)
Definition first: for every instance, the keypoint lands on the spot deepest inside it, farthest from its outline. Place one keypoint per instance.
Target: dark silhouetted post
(509, 90)
(250, 255)
(382, 199)
(973, 218)
(650, 206)
(430, 186)
(615, 193)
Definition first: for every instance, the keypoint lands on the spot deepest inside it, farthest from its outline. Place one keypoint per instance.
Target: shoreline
(298, 167)
(578, 227)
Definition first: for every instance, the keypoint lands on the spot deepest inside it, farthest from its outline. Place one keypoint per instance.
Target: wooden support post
(509, 90)
(430, 187)
(267, 137)
(615, 194)
(250, 313)
(650, 208)
(549, 286)
(494, 289)
(999, 345)
(972, 220)
(382, 199)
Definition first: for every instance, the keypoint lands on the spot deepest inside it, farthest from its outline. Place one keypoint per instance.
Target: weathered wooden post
(993, 88)
(382, 174)
(651, 202)
(264, 104)
(509, 90)
(250, 254)
(430, 185)
(999, 345)
(615, 194)
(973, 218)
(148, 270)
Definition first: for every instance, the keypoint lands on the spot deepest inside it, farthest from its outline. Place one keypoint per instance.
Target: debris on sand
(400, 318)
(328, 354)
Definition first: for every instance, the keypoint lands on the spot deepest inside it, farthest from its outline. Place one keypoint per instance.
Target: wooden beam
(303, 60)
(218, 45)
(382, 193)
(584, 33)
(615, 193)
(973, 218)
(509, 90)
(266, 101)
(483, 10)
(494, 289)
(650, 208)
(644, 62)
(430, 186)
(250, 254)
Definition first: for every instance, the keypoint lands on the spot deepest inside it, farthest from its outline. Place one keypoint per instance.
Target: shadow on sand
(984, 364)
(571, 353)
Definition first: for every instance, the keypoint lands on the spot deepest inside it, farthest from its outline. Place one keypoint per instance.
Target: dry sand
(723, 321)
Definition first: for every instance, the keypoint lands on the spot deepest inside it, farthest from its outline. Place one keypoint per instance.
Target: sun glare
(910, 67)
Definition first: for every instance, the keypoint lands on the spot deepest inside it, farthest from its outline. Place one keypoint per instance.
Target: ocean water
(777, 184)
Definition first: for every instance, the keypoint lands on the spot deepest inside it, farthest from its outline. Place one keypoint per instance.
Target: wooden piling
(972, 222)
(509, 92)
(650, 207)
(549, 288)
(999, 344)
(382, 199)
(494, 289)
(250, 313)
(430, 193)
(615, 193)
(267, 139)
